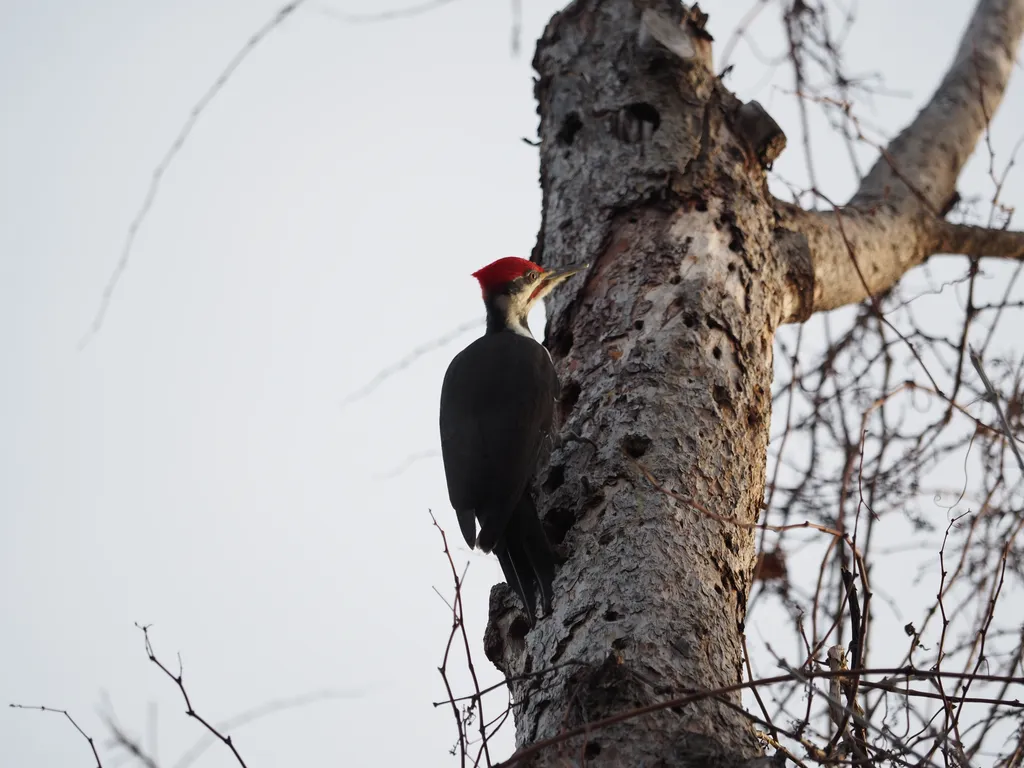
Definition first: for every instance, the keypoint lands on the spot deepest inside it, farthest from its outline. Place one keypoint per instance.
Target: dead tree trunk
(655, 173)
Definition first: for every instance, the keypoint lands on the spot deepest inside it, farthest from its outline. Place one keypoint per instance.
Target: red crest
(502, 271)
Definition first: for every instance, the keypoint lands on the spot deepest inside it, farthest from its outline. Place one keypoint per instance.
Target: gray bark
(654, 172)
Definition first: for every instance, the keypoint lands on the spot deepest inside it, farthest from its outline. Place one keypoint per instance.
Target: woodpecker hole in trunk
(555, 478)
(569, 397)
(558, 521)
(753, 418)
(736, 242)
(646, 112)
(570, 127)
(561, 344)
(592, 750)
(728, 221)
(636, 123)
(636, 446)
(721, 395)
(518, 628)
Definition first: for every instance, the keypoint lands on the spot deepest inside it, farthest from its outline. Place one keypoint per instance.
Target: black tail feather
(527, 558)
(512, 563)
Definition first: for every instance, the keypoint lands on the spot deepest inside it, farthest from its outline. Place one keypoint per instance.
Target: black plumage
(497, 406)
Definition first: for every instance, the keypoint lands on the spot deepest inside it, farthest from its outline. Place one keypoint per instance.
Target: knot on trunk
(761, 132)
(507, 625)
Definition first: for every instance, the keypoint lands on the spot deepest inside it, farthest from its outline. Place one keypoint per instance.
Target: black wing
(497, 403)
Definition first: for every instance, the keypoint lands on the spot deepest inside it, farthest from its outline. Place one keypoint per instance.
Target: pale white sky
(192, 466)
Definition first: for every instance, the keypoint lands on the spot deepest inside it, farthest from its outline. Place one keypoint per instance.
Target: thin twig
(417, 352)
(993, 398)
(373, 18)
(87, 737)
(172, 152)
(177, 678)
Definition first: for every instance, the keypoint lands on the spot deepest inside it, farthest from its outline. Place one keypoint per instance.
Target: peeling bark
(654, 173)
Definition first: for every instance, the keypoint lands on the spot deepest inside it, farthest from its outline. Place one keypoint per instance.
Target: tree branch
(894, 221)
(978, 241)
(854, 254)
(857, 254)
(931, 151)
(190, 711)
(87, 737)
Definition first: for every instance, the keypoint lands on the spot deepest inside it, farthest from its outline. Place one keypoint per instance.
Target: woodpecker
(497, 405)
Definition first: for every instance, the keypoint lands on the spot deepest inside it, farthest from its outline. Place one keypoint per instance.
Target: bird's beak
(554, 276)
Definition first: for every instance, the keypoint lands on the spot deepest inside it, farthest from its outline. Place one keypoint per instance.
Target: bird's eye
(532, 275)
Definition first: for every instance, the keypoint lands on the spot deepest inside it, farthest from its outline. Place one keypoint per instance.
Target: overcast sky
(193, 466)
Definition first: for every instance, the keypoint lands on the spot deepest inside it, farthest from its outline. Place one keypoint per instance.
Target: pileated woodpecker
(497, 405)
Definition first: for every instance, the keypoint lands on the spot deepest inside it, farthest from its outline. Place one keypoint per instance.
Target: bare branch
(993, 397)
(372, 18)
(172, 152)
(130, 745)
(177, 678)
(894, 221)
(801, 676)
(869, 251)
(932, 150)
(87, 737)
(885, 244)
(257, 713)
(459, 625)
(386, 373)
(978, 241)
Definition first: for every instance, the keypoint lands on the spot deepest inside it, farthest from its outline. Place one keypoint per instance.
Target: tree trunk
(654, 173)
(666, 359)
